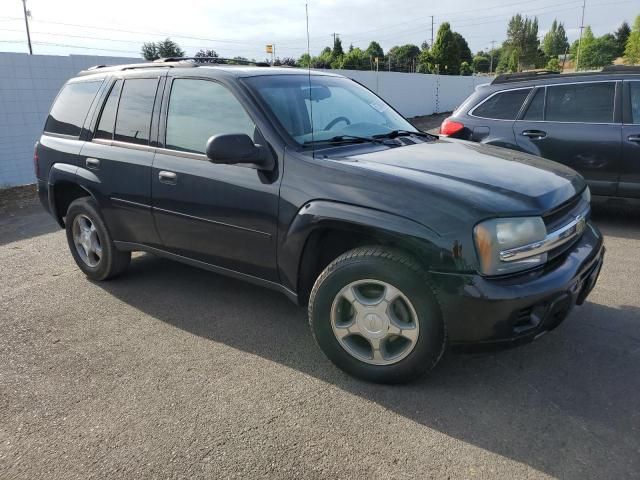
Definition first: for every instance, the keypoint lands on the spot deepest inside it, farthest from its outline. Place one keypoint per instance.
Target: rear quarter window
(71, 107)
(503, 105)
(581, 102)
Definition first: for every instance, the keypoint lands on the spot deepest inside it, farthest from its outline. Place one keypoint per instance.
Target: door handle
(634, 138)
(534, 134)
(169, 178)
(93, 163)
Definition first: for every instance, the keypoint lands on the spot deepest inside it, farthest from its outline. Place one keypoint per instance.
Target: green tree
(444, 51)
(465, 68)
(592, 52)
(374, 50)
(150, 51)
(622, 34)
(632, 48)
(168, 48)
(304, 60)
(337, 48)
(521, 45)
(553, 65)
(404, 57)
(203, 55)
(356, 59)
(480, 63)
(462, 48)
(555, 41)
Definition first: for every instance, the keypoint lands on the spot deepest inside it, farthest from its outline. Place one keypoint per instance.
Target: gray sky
(243, 27)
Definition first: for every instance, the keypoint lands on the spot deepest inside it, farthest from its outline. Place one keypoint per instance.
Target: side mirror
(235, 148)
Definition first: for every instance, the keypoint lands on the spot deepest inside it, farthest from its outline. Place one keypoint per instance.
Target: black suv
(399, 242)
(587, 121)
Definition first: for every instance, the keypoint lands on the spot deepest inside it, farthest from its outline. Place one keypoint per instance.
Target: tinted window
(133, 121)
(108, 117)
(503, 106)
(634, 88)
(199, 109)
(535, 110)
(585, 102)
(70, 108)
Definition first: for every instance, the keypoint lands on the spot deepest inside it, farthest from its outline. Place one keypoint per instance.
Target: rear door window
(535, 110)
(108, 117)
(634, 90)
(503, 105)
(581, 102)
(133, 121)
(71, 107)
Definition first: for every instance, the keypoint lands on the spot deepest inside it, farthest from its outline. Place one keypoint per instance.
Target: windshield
(337, 107)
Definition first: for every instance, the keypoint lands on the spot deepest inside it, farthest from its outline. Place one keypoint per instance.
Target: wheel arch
(323, 230)
(66, 184)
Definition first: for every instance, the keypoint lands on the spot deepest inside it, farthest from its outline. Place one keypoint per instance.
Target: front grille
(560, 216)
(563, 213)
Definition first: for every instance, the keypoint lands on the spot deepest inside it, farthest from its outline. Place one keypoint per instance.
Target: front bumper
(479, 310)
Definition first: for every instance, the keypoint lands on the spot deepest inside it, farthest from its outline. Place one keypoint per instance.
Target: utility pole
(335, 35)
(584, 2)
(26, 23)
(493, 43)
(431, 31)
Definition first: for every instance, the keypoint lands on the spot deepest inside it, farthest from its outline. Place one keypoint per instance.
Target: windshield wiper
(402, 133)
(345, 139)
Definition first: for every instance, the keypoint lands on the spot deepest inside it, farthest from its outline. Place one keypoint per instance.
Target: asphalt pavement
(175, 372)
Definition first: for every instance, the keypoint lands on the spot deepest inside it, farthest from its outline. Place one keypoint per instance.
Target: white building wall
(29, 83)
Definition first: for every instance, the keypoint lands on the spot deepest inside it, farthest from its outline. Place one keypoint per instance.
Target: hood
(490, 178)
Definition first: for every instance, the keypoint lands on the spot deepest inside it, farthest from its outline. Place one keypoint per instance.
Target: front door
(630, 168)
(574, 124)
(225, 215)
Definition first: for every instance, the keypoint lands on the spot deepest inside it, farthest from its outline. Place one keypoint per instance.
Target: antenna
(306, 9)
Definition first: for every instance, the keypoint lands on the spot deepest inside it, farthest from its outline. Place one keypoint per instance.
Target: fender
(320, 214)
(64, 172)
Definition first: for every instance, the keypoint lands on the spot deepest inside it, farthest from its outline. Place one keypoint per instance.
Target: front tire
(91, 244)
(373, 312)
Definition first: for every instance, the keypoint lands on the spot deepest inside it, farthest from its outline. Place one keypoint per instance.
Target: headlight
(586, 195)
(501, 234)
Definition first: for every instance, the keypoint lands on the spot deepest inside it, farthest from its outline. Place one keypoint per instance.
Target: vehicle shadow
(566, 405)
(622, 221)
(29, 222)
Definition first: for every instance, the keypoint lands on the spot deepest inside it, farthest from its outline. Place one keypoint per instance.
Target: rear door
(630, 168)
(491, 121)
(575, 124)
(120, 155)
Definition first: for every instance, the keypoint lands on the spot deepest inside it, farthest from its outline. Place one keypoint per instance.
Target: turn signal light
(450, 127)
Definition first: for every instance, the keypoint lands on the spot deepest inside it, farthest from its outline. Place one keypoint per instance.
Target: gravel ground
(174, 372)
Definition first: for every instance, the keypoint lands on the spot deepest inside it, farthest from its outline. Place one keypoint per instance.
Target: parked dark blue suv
(587, 121)
(399, 242)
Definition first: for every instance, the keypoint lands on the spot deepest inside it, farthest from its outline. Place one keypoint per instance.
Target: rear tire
(91, 244)
(375, 315)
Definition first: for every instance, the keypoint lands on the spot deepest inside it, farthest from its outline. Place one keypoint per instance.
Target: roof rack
(521, 76)
(516, 77)
(622, 68)
(212, 60)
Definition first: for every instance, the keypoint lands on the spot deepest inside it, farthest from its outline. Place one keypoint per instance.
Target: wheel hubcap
(86, 240)
(374, 322)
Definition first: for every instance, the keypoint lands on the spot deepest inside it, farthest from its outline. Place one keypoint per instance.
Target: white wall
(414, 94)
(29, 83)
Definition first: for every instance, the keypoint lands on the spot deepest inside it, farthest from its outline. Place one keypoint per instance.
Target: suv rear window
(582, 102)
(71, 107)
(503, 105)
(133, 121)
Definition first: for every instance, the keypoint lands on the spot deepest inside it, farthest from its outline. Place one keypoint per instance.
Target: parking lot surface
(175, 372)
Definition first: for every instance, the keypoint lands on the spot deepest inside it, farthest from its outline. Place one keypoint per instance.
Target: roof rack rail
(95, 67)
(212, 60)
(516, 77)
(622, 68)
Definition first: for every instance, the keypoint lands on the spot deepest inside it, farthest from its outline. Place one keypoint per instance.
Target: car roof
(532, 79)
(204, 69)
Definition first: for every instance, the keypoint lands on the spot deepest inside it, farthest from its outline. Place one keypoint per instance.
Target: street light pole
(26, 23)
